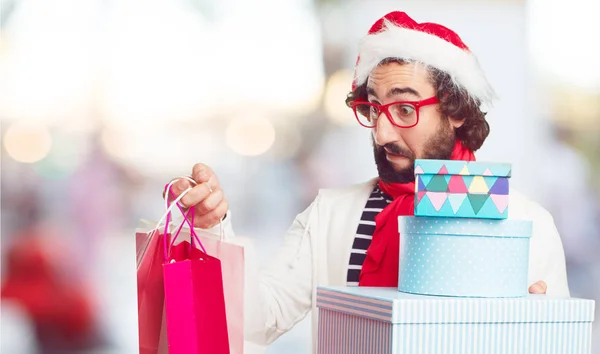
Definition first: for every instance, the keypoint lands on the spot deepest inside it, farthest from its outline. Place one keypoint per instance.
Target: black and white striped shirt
(364, 233)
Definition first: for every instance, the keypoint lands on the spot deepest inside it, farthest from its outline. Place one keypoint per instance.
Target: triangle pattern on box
(464, 171)
(477, 201)
(446, 208)
(454, 167)
(477, 168)
(465, 208)
(437, 199)
(502, 170)
(419, 170)
(425, 204)
(437, 184)
(501, 201)
(443, 170)
(447, 178)
(490, 181)
(487, 172)
(420, 184)
(425, 178)
(468, 180)
(456, 200)
(488, 210)
(457, 185)
(420, 196)
(500, 187)
(478, 186)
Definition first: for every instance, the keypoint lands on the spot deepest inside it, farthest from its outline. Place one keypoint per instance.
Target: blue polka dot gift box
(366, 320)
(461, 189)
(464, 257)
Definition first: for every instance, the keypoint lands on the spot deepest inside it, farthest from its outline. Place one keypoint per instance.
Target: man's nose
(384, 132)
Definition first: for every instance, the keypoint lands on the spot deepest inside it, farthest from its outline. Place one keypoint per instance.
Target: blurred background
(104, 101)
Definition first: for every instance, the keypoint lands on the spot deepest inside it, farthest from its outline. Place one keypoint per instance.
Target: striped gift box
(362, 320)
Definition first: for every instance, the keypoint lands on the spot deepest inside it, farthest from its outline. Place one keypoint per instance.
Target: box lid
(390, 305)
(466, 168)
(429, 225)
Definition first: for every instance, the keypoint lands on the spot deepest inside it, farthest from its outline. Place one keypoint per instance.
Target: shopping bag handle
(167, 218)
(182, 210)
(188, 218)
(167, 214)
(193, 235)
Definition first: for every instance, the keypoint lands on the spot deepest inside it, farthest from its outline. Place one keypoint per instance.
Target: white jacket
(317, 248)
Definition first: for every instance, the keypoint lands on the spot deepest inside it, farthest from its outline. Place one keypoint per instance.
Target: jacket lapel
(341, 212)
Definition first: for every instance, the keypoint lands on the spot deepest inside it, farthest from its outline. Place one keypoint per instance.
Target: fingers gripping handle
(182, 209)
(188, 216)
(168, 190)
(168, 207)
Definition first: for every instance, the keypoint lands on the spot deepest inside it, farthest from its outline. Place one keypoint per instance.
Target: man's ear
(456, 123)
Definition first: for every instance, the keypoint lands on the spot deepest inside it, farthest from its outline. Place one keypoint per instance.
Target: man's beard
(439, 147)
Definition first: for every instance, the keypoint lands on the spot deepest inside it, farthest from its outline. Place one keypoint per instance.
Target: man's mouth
(392, 157)
(390, 153)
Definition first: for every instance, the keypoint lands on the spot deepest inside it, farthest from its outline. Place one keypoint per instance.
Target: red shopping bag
(151, 298)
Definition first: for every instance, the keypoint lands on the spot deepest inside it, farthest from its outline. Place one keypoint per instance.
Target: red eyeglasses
(402, 114)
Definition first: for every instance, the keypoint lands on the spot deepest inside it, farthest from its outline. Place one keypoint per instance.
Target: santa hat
(396, 35)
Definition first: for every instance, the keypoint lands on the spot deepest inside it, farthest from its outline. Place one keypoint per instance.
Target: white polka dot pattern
(467, 264)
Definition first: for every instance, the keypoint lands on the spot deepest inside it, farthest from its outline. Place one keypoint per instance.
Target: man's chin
(394, 168)
(397, 175)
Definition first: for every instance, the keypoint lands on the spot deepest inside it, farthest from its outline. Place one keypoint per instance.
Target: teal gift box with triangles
(461, 189)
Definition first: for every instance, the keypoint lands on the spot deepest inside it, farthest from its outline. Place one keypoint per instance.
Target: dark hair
(455, 102)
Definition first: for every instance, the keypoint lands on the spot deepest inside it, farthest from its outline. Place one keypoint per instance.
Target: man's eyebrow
(395, 91)
(371, 92)
(402, 90)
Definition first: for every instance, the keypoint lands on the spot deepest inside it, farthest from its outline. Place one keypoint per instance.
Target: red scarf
(381, 264)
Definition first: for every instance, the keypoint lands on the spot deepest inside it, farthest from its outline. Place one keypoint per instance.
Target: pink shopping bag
(194, 298)
(194, 302)
(232, 260)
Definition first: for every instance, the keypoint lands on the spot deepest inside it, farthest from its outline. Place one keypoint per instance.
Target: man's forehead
(408, 71)
(394, 75)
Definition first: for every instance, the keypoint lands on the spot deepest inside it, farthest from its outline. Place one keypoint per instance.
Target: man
(419, 89)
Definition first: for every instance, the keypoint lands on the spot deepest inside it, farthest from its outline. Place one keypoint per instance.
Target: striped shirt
(364, 233)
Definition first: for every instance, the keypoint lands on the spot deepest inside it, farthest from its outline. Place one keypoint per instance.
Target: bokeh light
(250, 135)
(67, 154)
(27, 142)
(157, 74)
(338, 86)
(48, 64)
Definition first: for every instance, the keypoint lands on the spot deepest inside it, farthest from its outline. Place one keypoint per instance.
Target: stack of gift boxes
(463, 285)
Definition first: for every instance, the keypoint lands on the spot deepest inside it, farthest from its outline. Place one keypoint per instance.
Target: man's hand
(207, 198)
(538, 288)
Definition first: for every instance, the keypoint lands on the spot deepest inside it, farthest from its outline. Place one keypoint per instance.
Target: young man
(419, 89)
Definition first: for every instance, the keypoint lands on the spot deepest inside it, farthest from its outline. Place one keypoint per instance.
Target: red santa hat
(396, 35)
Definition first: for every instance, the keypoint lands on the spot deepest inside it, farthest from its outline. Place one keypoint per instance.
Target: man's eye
(406, 110)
